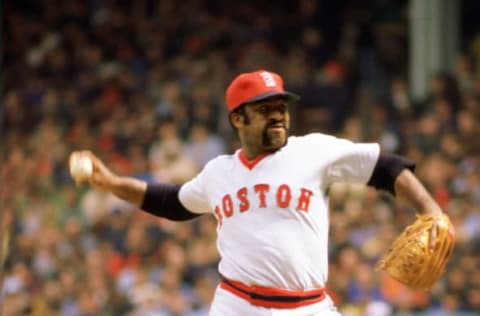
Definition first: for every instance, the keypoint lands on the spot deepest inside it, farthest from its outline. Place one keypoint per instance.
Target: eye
(282, 108)
(264, 109)
(268, 108)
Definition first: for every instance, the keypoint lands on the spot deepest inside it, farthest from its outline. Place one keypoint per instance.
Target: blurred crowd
(141, 83)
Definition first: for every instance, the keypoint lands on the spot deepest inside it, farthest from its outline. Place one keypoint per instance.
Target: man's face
(265, 125)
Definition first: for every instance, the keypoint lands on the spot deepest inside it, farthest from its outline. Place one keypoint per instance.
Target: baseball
(81, 168)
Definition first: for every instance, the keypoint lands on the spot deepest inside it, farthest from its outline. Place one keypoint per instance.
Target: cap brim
(291, 97)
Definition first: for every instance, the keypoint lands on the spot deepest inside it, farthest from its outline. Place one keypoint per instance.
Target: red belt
(272, 297)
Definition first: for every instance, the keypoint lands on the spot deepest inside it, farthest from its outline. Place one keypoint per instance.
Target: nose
(277, 115)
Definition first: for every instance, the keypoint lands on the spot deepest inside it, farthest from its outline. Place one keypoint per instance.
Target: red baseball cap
(255, 86)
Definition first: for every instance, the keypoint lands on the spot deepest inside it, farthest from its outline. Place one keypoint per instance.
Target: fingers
(78, 166)
(433, 236)
(101, 177)
(73, 155)
(77, 163)
(78, 153)
(97, 163)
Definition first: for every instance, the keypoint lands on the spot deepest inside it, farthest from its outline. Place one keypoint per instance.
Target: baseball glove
(411, 261)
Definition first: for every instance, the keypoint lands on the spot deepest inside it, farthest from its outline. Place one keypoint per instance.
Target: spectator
(126, 78)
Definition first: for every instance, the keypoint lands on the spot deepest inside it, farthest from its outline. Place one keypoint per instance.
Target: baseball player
(270, 199)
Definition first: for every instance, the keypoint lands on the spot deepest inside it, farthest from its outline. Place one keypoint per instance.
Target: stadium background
(141, 84)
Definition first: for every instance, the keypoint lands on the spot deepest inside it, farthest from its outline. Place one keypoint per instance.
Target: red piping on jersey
(273, 297)
(250, 163)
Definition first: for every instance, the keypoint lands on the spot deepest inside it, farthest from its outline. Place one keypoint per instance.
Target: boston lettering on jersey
(256, 197)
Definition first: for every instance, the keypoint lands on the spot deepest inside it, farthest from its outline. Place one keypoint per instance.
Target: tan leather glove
(412, 261)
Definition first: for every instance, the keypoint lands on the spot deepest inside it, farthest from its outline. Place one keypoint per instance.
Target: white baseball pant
(228, 304)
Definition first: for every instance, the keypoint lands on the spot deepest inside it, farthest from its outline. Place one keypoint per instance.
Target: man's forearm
(157, 199)
(409, 187)
(129, 189)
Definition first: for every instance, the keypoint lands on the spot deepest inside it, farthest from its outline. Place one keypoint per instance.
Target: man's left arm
(408, 186)
(419, 255)
(394, 174)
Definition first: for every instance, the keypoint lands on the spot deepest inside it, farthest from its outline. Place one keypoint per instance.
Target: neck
(252, 154)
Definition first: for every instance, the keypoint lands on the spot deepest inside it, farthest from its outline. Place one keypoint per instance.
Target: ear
(236, 119)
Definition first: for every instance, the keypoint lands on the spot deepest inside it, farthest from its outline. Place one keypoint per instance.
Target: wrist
(432, 210)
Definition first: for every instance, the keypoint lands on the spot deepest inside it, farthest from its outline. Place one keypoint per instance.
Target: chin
(274, 140)
(277, 143)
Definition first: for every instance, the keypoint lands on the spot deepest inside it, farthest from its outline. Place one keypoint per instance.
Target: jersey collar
(250, 164)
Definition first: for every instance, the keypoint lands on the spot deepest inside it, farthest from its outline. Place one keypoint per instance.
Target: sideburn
(242, 112)
(266, 141)
(246, 118)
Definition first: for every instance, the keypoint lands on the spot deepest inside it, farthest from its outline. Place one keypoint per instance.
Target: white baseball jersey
(273, 212)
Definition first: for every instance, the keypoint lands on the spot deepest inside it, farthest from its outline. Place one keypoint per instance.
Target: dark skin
(263, 126)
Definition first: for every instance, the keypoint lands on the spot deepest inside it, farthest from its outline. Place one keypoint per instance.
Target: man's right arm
(158, 199)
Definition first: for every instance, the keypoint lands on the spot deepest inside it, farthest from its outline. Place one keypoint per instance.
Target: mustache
(266, 139)
(273, 123)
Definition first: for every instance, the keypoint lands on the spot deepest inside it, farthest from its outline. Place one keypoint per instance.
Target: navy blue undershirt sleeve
(386, 171)
(162, 200)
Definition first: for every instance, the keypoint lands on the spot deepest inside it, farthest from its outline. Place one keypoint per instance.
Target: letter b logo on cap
(268, 79)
